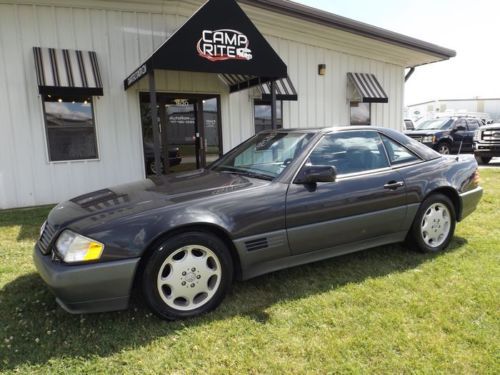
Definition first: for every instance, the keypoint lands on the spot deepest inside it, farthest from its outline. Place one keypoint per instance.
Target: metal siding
(122, 39)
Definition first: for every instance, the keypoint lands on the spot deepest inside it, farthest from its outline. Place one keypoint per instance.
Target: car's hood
(422, 132)
(490, 127)
(101, 206)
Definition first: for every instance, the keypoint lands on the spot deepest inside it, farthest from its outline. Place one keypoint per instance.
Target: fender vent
(260, 243)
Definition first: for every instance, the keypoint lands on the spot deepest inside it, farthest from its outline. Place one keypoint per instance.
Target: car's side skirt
(257, 269)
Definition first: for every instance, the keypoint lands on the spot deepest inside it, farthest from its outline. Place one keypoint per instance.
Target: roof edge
(450, 100)
(347, 24)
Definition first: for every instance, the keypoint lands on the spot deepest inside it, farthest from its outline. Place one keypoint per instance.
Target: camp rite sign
(224, 44)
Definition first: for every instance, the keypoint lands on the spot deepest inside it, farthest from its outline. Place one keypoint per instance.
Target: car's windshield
(437, 124)
(264, 156)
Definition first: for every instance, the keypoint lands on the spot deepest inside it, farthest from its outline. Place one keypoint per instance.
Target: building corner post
(274, 124)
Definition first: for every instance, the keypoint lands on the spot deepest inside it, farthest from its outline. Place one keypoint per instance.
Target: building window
(360, 113)
(262, 115)
(70, 127)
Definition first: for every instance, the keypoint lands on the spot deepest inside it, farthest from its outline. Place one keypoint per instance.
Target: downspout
(410, 72)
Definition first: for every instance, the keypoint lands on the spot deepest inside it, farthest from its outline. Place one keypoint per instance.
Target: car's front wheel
(444, 148)
(187, 275)
(434, 224)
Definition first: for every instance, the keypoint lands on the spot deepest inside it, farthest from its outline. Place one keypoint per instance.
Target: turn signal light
(475, 178)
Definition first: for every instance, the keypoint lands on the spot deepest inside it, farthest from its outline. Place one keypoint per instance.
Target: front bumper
(487, 149)
(89, 288)
(469, 201)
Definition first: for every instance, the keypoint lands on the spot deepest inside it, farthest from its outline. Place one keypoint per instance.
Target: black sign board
(218, 38)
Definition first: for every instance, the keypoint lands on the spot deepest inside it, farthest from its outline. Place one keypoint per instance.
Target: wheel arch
(452, 194)
(447, 140)
(213, 229)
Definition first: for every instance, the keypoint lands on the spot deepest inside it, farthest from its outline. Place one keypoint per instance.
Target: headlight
(477, 135)
(429, 139)
(73, 247)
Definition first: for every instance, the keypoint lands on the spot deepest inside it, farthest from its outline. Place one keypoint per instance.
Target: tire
(444, 148)
(434, 225)
(187, 275)
(483, 159)
(150, 166)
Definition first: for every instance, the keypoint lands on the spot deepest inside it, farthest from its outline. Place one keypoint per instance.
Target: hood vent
(260, 243)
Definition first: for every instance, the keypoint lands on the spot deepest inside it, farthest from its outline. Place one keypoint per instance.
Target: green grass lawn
(385, 310)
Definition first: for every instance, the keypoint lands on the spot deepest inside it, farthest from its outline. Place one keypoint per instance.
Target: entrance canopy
(218, 38)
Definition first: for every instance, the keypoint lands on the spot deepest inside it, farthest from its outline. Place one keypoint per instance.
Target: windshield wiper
(245, 173)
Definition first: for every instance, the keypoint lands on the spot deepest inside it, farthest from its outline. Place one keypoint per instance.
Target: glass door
(189, 126)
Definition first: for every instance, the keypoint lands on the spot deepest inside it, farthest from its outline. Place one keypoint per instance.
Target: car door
(472, 126)
(460, 135)
(366, 201)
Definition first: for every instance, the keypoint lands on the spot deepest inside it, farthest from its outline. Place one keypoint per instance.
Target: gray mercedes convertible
(280, 199)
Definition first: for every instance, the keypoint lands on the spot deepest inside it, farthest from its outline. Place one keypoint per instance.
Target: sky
(470, 27)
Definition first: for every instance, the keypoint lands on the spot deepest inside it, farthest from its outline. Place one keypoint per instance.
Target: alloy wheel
(189, 277)
(444, 149)
(435, 225)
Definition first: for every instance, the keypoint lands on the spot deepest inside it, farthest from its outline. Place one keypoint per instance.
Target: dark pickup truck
(487, 143)
(447, 135)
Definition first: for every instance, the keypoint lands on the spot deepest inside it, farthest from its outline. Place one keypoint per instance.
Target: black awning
(365, 88)
(67, 72)
(218, 38)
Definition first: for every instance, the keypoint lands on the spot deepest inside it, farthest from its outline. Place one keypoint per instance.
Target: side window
(397, 153)
(350, 152)
(460, 122)
(70, 128)
(472, 124)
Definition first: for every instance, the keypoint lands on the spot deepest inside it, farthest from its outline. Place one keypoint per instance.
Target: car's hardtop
(422, 151)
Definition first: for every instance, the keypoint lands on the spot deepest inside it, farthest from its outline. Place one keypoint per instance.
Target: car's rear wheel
(434, 224)
(444, 148)
(483, 159)
(187, 275)
(151, 166)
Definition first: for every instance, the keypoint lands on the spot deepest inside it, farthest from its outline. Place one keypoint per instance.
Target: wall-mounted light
(322, 69)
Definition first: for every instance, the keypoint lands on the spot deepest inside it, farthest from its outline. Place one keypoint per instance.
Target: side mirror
(311, 174)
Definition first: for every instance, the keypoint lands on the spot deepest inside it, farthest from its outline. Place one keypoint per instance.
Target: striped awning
(284, 90)
(365, 87)
(284, 86)
(67, 72)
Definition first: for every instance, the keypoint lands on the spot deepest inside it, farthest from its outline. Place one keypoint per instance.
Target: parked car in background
(487, 143)
(174, 157)
(280, 199)
(447, 135)
(408, 124)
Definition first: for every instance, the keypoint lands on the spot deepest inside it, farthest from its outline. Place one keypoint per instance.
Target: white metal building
(68, 126)
(487, 108)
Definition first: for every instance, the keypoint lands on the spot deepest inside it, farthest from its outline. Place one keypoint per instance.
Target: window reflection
(70, 128)
(262, 115)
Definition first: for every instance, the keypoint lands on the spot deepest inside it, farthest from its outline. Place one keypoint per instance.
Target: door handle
(393, 185)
